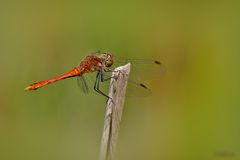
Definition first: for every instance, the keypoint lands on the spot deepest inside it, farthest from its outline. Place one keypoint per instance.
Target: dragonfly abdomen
(74, 72)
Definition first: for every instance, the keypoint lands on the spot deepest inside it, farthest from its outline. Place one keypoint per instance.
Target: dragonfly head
(107, 59)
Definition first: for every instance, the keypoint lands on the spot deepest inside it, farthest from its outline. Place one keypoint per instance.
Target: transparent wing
(136, 89)
(82, 83)
(142, 69)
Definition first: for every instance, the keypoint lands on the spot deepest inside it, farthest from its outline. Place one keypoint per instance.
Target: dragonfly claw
(111, 100)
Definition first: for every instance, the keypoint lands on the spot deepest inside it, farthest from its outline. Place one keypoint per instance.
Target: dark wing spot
(142, 85)
(157, 62)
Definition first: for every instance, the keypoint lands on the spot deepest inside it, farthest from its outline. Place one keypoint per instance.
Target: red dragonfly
(97, 62)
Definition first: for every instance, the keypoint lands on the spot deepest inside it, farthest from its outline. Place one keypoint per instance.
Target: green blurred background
(192, 114)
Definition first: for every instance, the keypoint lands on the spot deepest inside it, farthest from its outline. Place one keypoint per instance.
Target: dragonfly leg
(108, 70)
(96, 86)
(102, 72)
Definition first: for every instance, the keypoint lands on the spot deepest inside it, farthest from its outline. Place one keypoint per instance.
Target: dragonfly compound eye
(108, 62)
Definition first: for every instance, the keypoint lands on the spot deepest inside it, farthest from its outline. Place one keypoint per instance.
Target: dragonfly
(95, 62)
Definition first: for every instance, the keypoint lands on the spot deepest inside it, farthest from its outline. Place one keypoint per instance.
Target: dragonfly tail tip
(28, 88)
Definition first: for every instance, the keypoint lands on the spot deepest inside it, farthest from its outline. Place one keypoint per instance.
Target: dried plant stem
(114, 111)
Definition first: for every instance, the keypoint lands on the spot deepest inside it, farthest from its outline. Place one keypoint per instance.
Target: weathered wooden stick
(114, 111)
